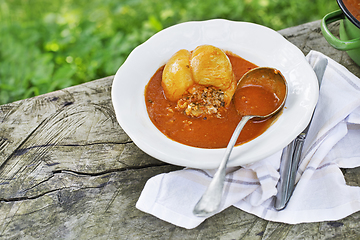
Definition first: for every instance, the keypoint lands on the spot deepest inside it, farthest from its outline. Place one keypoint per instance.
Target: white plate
(257, 44)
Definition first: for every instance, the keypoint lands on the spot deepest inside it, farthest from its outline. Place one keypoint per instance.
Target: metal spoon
(268, 78)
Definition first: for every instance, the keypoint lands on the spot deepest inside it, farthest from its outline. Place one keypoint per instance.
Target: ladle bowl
(269, 80)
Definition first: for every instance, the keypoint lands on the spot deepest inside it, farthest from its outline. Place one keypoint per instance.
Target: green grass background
(46, 45)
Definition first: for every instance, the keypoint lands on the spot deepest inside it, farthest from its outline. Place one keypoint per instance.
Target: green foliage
(47, 45)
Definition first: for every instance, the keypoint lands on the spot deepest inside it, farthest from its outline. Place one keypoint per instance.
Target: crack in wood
(76, 173)
(21, 151)
(24, 198)
(108, 171)
(21, 144)
(3, 143)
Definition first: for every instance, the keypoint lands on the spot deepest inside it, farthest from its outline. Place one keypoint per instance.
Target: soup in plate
(190, 98)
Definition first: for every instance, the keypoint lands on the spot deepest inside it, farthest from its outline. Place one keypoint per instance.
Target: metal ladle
(268, 78)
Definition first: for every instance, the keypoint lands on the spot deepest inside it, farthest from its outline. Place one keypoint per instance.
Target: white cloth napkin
(321, 193)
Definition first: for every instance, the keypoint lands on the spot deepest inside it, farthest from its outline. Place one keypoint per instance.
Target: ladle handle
(210, 201)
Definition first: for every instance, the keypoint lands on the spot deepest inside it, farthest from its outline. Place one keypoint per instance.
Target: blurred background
(46, 45)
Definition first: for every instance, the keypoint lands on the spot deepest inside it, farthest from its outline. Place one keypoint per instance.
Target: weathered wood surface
(68, 171)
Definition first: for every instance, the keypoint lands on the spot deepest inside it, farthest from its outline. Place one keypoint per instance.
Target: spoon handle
(210, 201)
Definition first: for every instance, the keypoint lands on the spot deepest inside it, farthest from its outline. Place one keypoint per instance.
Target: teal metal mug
(349, 33)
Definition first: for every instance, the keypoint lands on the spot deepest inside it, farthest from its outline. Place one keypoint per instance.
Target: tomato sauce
(255, 100)
(354, 7)
(205, 132)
